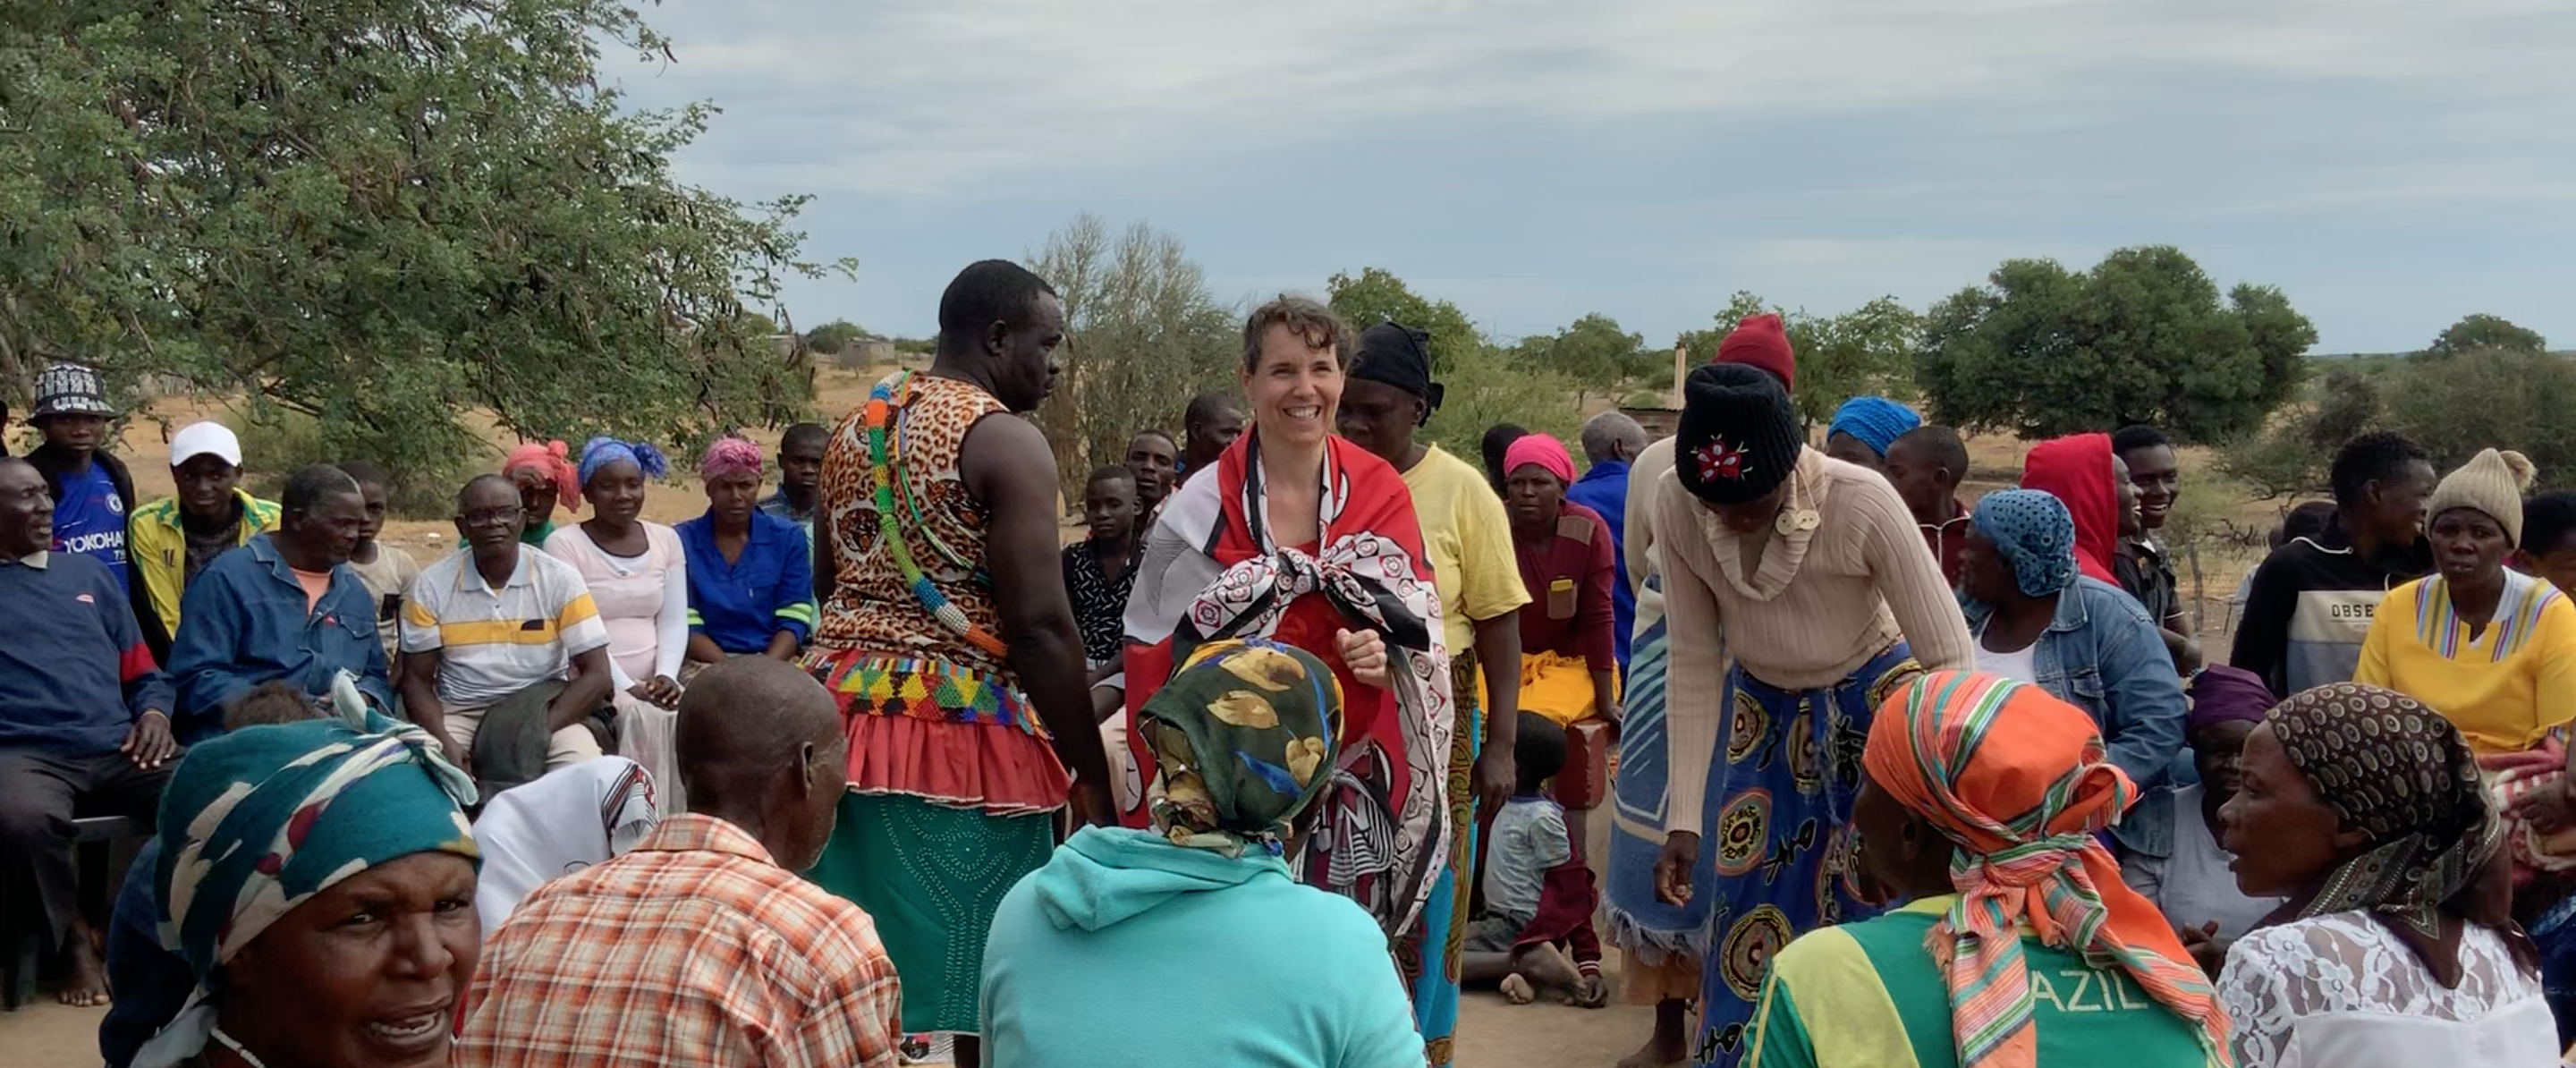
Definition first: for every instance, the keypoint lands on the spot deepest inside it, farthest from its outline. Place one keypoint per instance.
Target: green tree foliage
(1144, 337)
(2490, 398)
(1594, 354)
(2143, 337)
(384, 214)
(1864, 352)
(1490, 385)
(1378, 296)
(830, 338)
(2476, 332)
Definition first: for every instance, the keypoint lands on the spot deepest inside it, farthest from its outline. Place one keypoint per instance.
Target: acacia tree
(2476, 332)
(1593, 353)
(1143, 336)
(383, 214)
(1377, 296)
(2140, 338)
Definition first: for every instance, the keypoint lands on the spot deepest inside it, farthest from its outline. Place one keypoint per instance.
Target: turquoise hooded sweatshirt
(1128, 950)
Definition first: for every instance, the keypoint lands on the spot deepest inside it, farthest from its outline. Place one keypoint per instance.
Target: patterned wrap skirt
(1783, 847)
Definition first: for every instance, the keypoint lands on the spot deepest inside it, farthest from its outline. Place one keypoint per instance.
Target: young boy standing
(387, 571)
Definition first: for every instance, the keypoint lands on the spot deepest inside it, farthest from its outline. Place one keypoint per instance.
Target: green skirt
(932, 878)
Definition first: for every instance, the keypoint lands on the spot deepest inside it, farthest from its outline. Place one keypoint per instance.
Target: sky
(2390, 164)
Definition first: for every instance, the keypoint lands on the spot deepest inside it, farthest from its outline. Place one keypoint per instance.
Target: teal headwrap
(257, 821)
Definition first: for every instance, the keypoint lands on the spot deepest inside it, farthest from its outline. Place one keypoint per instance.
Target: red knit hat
(1761, 342)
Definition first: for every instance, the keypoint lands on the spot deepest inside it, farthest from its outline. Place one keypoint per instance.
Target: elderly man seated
(84, 721)
(702, 946)
(285, 607)
(504, 656)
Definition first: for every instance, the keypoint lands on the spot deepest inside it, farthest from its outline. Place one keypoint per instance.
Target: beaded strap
(882, 402)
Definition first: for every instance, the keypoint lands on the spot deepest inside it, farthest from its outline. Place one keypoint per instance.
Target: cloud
(1837, 146)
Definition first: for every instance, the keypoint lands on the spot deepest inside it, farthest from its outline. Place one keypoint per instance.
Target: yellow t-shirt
(1470, 544)
(2503, 689)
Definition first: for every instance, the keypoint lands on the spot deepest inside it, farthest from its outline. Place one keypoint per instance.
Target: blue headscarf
(256, 822)
(2036, 536)
(600, 451)
(1874, 421)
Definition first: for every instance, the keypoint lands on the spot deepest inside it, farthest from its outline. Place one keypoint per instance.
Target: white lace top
(2342, 991)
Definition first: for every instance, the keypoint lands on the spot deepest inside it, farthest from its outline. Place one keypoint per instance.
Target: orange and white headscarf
(2017, 779)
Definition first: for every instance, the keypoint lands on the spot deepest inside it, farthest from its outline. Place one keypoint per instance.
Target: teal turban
(257, 821)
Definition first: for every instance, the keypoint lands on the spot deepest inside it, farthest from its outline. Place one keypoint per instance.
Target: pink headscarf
(551, 459)
(1545, 451)
(730, 455)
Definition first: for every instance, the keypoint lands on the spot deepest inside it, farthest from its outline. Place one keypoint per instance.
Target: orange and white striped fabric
(2018, 781)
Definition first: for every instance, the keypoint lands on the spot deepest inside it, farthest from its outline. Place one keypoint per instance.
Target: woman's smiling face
(1295, 389)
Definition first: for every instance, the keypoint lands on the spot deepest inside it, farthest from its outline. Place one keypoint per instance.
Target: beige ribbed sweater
(1824, 601)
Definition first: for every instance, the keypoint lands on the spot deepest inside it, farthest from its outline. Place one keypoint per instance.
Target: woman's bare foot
(1665, 1047)
(1517, 990)
(84, 978)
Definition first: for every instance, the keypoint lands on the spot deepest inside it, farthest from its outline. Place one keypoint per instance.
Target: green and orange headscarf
(2017, 779)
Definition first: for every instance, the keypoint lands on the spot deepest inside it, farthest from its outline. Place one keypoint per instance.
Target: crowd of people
(1301, 736)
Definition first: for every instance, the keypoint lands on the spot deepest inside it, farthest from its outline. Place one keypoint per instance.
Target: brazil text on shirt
(494, 643)
(1868, 995)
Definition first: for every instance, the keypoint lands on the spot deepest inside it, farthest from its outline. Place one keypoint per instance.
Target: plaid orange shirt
(694, 949)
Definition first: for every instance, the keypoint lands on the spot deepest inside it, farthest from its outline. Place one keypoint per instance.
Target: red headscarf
(552, 459)
(2077, 471)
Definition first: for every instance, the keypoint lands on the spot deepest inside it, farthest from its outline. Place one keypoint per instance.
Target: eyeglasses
(492, 517)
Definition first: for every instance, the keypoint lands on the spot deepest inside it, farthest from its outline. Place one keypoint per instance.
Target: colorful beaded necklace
(883, 401)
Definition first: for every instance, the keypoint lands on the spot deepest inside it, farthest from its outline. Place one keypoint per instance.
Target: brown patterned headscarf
(2395, 770)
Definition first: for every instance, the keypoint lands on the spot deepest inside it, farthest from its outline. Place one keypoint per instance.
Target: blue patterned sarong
(1781, 842)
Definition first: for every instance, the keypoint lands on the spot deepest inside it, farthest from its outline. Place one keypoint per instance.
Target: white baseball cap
(205, 439)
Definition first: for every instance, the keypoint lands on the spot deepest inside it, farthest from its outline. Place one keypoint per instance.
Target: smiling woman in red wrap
(1310, 541)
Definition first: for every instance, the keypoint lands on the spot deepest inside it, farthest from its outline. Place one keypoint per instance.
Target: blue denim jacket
(2102, 654)
(243, 622)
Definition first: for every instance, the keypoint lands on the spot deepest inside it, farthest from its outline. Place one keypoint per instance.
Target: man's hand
(1365, 654)
(2547, 811)
(1673, 869)
(455, 754)
(148, 744)
(1497, 778)
(660, 690)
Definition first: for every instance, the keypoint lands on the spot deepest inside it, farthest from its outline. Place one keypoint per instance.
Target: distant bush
(2490, 398)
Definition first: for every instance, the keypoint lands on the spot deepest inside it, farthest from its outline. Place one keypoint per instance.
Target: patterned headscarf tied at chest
(2395, 770)
(2018, 781)
(2035, 535)
(258, 821)
(1739, 436)
(728, 456)
(1541, 449)
(599, 452)
(1874, 421)
(548, 458)
(1243, 739)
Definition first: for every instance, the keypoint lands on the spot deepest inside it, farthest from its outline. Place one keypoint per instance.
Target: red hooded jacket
(2077, 471)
